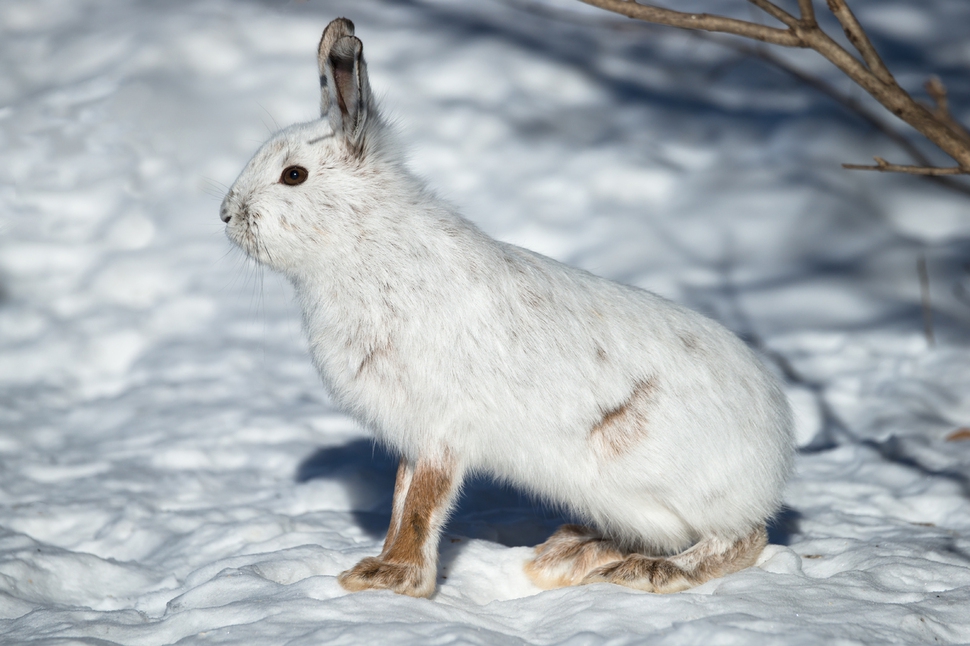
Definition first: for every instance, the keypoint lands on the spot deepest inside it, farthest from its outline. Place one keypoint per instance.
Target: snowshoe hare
(653, 423)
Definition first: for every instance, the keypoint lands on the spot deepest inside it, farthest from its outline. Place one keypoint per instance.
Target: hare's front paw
(374, 574)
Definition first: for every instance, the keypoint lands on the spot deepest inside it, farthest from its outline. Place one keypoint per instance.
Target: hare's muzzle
(224, 214)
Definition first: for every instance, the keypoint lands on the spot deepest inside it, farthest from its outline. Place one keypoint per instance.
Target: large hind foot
(646, 573)
(709, 559)
(569, 555)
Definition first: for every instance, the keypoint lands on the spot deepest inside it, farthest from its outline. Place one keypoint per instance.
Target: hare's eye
(293, 175)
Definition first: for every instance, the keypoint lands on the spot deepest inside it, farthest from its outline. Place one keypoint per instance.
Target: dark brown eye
(293, 175)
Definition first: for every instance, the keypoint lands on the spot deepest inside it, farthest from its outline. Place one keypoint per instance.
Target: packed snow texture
(172, 470)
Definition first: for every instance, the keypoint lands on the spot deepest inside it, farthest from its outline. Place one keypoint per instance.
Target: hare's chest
(354, 364)
(365, 373)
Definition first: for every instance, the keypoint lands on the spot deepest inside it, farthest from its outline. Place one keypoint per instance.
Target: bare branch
(775, 12)
(807, 10)
(704, 21)
(886, 167)
(847, 101)
(873, 76)
(854, 32)
(937, 91)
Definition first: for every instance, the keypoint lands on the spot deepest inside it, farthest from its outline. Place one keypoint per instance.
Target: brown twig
(848, 102)
(827, 89)
(854, 32)
(886, 167)
(776, 12)
(704, 21)
(871, 73)
(808, 17)
(937, 91)
(807, 11)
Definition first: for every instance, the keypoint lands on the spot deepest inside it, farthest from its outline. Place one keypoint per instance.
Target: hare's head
(300, 191)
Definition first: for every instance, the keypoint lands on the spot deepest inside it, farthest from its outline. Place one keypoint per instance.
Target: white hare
(467, 355)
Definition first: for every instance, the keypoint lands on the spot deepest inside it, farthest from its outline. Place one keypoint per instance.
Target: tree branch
(704, 21)
(854, 32)
(775, 12)
(886, 167)
(937, 91)
(848, 102)
(807, 11)
(872, 75)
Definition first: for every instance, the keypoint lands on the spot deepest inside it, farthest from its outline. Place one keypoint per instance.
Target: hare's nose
(224, 215)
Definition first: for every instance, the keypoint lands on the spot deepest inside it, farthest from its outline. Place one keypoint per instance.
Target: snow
(172, 470)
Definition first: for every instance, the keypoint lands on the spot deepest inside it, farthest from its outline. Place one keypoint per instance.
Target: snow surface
(172, 470)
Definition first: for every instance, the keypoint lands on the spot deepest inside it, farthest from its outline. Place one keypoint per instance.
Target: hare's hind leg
(709, 559)
(569, 555)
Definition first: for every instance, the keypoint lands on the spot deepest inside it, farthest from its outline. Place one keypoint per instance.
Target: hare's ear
(336, 30)
(345, 96)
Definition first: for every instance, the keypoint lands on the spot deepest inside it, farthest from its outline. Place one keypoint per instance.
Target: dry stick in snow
(870, 73)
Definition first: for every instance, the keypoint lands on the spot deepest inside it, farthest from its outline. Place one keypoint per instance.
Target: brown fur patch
(404, 566)
(622, 427)
(430, 486)
(644, 573)
(959, 435)
(401, 482)
(709, 559)
(381, 351)
(373, 573)
(569, 555)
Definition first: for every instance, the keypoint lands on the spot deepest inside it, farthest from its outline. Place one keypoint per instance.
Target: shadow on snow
(486, 510)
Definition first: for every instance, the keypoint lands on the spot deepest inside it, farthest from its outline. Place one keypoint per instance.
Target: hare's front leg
(423, 494)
